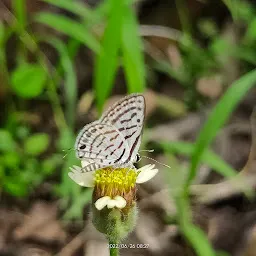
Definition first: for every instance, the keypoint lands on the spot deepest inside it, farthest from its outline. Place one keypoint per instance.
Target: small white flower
(117, 201)
(90, 179)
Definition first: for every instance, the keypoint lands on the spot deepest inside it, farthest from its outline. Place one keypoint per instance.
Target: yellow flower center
(115, 182)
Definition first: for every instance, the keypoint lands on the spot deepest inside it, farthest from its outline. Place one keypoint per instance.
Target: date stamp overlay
(129, 246)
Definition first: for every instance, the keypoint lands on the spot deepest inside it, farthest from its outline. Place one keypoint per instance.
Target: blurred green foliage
(28, 80)
(28, 156)
(20, 167)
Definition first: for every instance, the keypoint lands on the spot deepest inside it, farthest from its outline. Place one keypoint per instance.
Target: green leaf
(28, 80)
(245, 53)
(50, 164)
(240, 10)
(132, 47)
(220, 46)
(196, 237)
(20, 13)
(73, 6)
(193, 234)
(199, 240)
(11, 160)
(218, 117)
(70, 28)
(2, 34)
(7, 143)
(208, 157)
(251, 31)
(31, 173)
(66, 139)
(22, 131)
(14, 186)
(233, 8)
(2, 172)
(76, 209)
(67, 188)
(36, 144)
(208, 27)
(107, 60)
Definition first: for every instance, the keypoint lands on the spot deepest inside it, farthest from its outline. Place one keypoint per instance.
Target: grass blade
(90, 16)
(208, 157)
(107, 60)
(70, 28)
(20, 12)
(219, 116)
(194, 235)
(132, 47)
(73, 6)
(70, 83)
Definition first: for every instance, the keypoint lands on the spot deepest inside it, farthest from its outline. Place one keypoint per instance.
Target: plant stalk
(113, 248)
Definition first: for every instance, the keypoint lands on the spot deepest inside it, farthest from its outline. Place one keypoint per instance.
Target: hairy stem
(113, 248)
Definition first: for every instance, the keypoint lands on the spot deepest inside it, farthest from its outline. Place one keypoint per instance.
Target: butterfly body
(114, 139)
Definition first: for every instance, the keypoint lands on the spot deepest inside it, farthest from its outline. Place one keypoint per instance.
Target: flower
(113, 187)
(114, 211)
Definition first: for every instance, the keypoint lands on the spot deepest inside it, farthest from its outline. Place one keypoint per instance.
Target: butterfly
(115, 138)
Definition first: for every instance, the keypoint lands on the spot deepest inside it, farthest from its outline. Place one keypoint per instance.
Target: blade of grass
(107, 60)
(165, 67)
(19, 8)
(70, 28)
(84, 11)
(70, 83)
(208, 157)
(183, 13)
(19, 25)
(73, 6)
(132, 47)
(67, 189)
(232, 5)
(194, 235)
(219, 116)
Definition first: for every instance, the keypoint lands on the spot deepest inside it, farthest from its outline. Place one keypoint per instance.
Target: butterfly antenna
(67, 151)
(157, 161)
(147, 150)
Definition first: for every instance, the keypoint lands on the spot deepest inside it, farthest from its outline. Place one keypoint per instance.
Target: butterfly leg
(131, 167)
(114, 167)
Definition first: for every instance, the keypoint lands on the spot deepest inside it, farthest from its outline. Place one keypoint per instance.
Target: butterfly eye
(138, 158)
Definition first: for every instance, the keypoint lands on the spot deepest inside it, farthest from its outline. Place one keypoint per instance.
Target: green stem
(114, 239)
(113, 248)
(183, 16)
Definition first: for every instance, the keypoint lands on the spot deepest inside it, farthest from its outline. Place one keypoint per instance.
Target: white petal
(111, 203)
(120, 202)
(102, 202)
(146, 173)
(84, 163)
(85, 179)
(146, 167)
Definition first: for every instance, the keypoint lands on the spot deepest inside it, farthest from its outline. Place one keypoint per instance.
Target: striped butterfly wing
(127, 116)
(101, 145)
